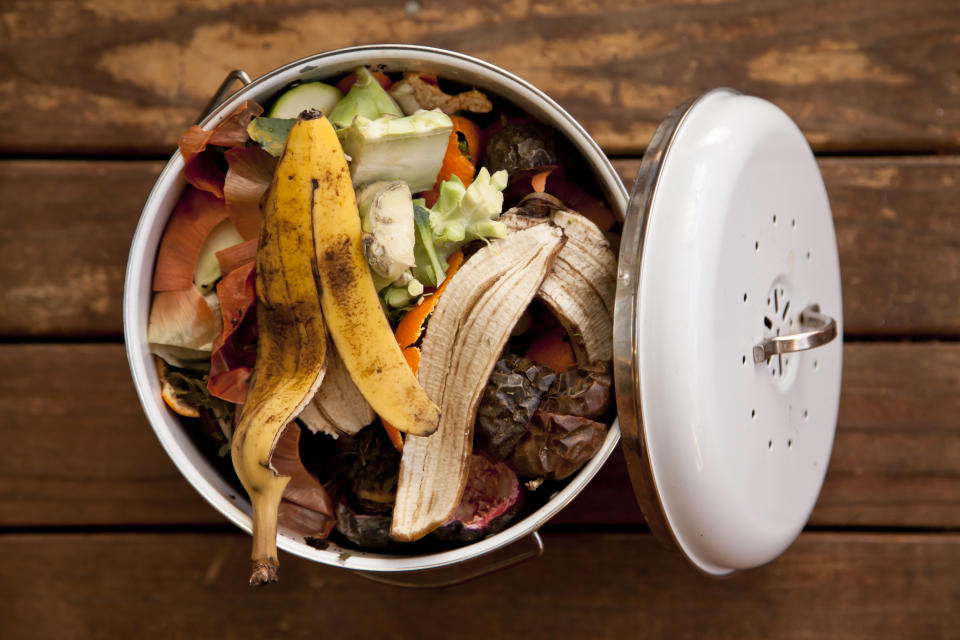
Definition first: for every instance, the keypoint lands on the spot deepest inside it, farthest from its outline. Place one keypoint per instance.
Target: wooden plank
(78, 450)
(65, 229)
(585, 586)
(866, 75)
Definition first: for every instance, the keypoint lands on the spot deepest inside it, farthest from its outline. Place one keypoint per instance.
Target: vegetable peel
(468, 330)
(292, 337)
(194, 217)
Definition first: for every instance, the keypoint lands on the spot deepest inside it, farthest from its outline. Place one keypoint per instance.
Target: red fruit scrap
(492, 489)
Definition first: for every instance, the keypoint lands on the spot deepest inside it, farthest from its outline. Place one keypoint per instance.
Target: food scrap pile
(390, 303)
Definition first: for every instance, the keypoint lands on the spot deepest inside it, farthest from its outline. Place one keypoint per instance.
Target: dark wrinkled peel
(523, 146)
(556, 446)
(511, 398)
(367, 531)
(581, 391)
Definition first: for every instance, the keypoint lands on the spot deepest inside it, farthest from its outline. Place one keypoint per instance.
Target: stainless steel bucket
(446, 567)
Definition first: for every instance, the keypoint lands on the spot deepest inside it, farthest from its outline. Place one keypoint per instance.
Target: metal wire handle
(465, 571)
(224, 90)
(820, 329)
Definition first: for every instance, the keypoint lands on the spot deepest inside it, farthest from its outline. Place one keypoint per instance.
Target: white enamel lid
(728, 242)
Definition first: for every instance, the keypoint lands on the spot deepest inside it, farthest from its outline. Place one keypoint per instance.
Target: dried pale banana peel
(467, 332)
(580, 287)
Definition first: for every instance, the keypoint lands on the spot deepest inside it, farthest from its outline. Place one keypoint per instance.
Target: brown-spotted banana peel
(352, 311)
(292, 338)
(312, 276)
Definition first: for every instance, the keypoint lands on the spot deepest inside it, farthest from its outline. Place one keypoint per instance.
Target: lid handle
(819, 329)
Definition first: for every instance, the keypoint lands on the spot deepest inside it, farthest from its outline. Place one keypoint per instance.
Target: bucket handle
(223, 91)
(525, 549)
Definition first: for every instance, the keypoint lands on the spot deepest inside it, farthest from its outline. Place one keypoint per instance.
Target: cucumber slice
(207, 271)
(309, 95)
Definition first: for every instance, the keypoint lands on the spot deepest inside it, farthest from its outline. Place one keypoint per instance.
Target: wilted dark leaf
(556, 446)
(581, 391)
(522, 146)
(365, 530)
(509, 401)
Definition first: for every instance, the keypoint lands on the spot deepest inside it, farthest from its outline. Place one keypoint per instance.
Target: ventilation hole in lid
(806, 414)
(767, 322)
(793, 223)
(770, 445)
(753, 414)
(774, 219)
(744, 297)
(786, 308)
(756, 246)
(816, 364)
(789, 444)
(743, 360)
(808, 256)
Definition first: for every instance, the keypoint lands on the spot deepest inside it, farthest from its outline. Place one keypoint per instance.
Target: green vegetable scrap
(461, 214)
(469, 213)
(430, 268)
(366, 99)
(386, 215)
(309, 95)
(270, 133)
(387, 148)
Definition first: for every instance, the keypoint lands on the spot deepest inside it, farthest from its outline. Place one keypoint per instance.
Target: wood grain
(80, 452)
(600, 586)
(79, 449)
(65, 230)
(99, 76)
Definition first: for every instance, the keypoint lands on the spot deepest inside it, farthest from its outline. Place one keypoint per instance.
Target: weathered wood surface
(78, 450)
(615, 586)
(99, 79)
(121, 77)
(65, 230)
